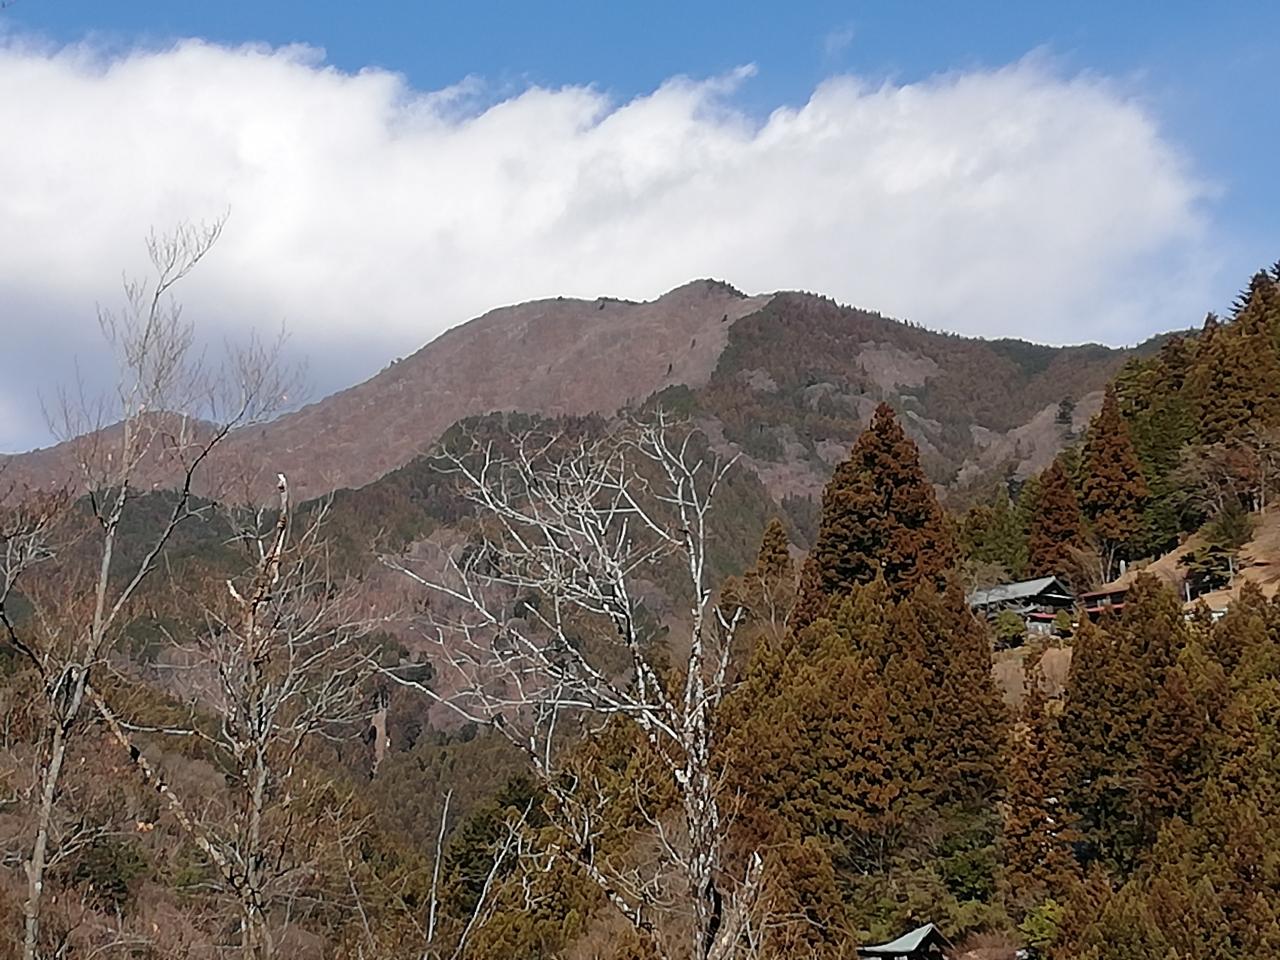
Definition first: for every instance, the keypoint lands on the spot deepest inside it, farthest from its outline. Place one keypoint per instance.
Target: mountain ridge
(568, 356)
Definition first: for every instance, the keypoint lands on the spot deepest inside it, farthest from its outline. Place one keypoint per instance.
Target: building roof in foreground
(908, 943)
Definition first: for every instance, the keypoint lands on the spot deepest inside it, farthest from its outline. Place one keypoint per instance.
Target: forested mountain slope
(798, 381)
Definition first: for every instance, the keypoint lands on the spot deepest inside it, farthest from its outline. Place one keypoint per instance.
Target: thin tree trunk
(257, 939)
(39, 850)
(65, 699)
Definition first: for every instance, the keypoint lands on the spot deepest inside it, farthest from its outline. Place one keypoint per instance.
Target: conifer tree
(1210, 687)
(1097, 740)
(1161, 421)
(1114, 487)
(1079, 935)
(1024, 507)
(1208, 887)
(863, 622)
(993, 534)
(1236, 380)
(874, 717)
(1036, 842)
(1057, 527)
(1204, 882)
(1118, 672)
(1150, 635)
(826, 756)
(1172, 751)
(880, 514)
(1242, 635)
(802, 899)
(765, 596)
(1217, 386)
(770, 585)
(970, 720)
(910, 683)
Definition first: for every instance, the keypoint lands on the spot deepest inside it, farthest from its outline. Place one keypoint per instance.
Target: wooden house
(1036, 601)
(1109, 599)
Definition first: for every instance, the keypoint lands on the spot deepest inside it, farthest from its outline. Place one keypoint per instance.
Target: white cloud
(369, 216)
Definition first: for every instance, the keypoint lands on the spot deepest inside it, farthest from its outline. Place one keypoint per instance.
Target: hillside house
(1109, 599)
(922, 943)
(1036, 601)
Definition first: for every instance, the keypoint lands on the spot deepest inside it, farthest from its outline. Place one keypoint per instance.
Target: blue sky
(1062, 172)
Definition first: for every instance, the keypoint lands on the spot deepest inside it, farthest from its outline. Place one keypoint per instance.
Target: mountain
(558, 356)
(799, 378)
(787, 379)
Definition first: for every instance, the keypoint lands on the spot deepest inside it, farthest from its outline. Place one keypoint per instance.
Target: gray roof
(1008, 592)
(907, 943)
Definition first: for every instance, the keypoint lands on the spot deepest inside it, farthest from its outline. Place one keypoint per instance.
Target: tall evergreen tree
(1097, 740)
(770, 585)
(1209, 885)
(1036, 844)
(802, 899)
(909, 679)
(1117, 679)
(1114, 487)
(1162, 423)
(880, 514)
(993, 534)
(1240, 637)
(826, 756)
(1056, 531)
(970, 718)
(1079, 937)
(1172, 753)
(1151, 634)
(764, 597)
(1236, 380)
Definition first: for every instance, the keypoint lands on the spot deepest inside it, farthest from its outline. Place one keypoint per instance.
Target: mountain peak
(704, 287)
(552, 356)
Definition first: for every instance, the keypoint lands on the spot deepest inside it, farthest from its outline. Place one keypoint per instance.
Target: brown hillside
(548, 356)
(1259, 564)
(558, 356)
(787, 379)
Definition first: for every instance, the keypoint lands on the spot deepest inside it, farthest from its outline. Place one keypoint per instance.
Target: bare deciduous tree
(1216, 477)
(285, 662)
(278, 664)
(540, 625)
(161, 424)
(1263, 444)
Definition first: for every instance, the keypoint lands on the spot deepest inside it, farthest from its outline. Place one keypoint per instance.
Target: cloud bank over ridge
(368, 216)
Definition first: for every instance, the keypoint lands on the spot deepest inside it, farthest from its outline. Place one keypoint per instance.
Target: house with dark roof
(1036, 601)
(1109, 599)
(922, 943)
